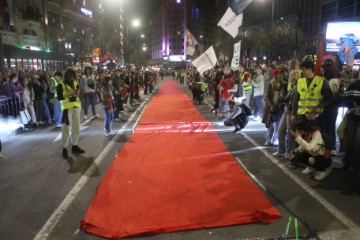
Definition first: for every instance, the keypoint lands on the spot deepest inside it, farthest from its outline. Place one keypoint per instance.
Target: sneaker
(268, 144)
(292, 165)
(110, 134)
(289, 156)
(251, 117)
(258, 118)
(236, 130)
(65, 153)
(309, 170)
(333, 153)
(97, 116)
(77, 149)
(117, 120)
(58, 126)
(278, 154)
(85, 117)
(322, 175)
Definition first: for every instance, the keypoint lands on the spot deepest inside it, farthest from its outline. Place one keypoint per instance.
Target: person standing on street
(68, 95)
(107, 104)
(1, 153)
(53, 83)
(87, 86)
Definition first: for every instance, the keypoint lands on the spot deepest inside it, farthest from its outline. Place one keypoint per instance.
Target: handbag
(25, 116)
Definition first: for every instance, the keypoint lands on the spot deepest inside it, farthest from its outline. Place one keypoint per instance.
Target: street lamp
(136, 23)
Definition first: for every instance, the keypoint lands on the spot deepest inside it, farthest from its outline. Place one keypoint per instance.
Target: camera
(72, 99)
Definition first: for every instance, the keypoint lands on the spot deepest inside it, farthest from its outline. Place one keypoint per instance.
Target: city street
(45, 197)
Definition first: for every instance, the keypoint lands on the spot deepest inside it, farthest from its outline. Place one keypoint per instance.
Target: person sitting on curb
(238, 116)
(311, 149)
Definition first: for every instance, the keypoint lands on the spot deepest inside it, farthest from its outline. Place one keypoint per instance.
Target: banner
(238, 6)
(206, 61)
(347, 50)
(191, 42)
(230, 22)
(236, 56)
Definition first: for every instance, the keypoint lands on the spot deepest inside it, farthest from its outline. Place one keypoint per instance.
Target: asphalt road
(43, 196)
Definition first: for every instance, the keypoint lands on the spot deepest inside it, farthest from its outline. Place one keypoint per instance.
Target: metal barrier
(10, 106)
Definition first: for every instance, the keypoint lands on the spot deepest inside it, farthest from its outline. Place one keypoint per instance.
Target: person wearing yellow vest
(53, 83)
(312, 94)
(247, 87)
(68, 95)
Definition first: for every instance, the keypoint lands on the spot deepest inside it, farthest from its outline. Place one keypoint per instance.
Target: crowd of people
(62, 99)
(298, 106)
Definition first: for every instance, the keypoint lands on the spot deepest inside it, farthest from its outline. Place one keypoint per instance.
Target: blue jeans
(57, 113)
(258, 106)
(90, 98)
(46, 111)
(108, 119)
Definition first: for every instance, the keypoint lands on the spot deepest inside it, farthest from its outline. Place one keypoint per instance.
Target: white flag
(206, 61)
(230, 22)
(191, 42)
(236, 56)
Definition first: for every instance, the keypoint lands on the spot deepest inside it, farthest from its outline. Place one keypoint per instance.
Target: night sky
(145, 9)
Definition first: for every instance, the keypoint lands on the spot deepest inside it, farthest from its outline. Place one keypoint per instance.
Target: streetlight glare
(142, 35)
(136, 23)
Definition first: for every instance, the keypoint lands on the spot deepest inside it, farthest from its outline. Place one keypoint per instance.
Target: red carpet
(174, 174)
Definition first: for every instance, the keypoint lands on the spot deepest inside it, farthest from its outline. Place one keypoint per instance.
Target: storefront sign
(30, 40)
(8, 37)
(86, 12)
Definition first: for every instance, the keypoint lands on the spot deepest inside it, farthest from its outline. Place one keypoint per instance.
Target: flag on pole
(236, 56)
(206, 61)
(238, 6)
(230, 22)
(105, 60)
(191, 42)
(319, 57)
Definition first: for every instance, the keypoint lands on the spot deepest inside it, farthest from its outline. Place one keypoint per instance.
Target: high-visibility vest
(56, 83)
(202, 86)
(246, 85)
(311, 96)
(65, 103)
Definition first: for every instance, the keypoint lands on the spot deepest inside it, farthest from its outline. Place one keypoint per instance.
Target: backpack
(243, 117)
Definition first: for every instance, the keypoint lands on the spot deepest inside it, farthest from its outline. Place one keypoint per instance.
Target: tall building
(54, 34)
(169, 28)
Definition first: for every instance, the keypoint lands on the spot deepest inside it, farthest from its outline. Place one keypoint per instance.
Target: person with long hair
(68, 95)
(107, 104)
(88, 86)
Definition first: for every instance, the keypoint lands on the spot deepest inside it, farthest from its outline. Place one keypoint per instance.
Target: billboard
(339, 33)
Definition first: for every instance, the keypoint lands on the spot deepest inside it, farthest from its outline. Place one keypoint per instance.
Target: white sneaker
(251, 117)
(277, 154)
(258, 118)
(117, 120)
(309, 170)
(322, 175)
(85, 117)
(110, 134)
(1, 155)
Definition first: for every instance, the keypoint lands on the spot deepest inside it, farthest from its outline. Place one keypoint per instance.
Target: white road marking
(51, 223)
(326, 204)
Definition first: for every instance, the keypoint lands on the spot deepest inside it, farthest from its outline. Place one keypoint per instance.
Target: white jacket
(259, 85)
(314, 147)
